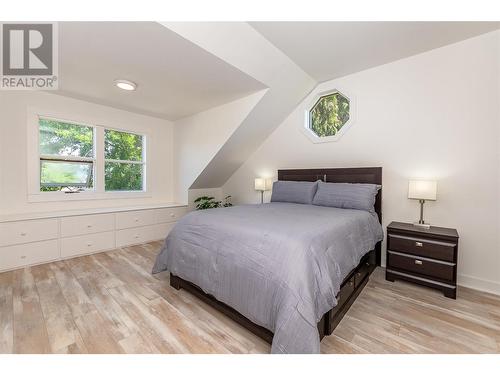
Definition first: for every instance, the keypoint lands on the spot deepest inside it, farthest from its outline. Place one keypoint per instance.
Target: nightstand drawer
(422, 247)
(421, 266)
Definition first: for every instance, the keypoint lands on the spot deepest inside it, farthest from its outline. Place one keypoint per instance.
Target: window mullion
(125, 161)
(99, 157)
(76, 159)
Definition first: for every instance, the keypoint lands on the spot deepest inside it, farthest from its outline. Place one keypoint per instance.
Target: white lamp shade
(260, 184)
(422, 189)
(263, 184)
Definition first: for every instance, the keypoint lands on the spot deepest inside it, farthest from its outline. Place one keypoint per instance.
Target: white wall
(434, 115)
(199, 137)
(13, 150)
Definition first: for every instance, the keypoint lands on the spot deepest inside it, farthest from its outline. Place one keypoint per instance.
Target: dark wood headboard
(352, 175)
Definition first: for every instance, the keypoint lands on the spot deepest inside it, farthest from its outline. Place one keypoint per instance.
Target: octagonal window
(329, 114)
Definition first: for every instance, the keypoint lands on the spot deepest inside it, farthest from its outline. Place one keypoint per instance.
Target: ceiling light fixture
(125, 85)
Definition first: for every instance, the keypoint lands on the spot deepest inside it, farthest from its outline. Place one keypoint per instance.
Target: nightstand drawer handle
(419, 244)
(419, 262)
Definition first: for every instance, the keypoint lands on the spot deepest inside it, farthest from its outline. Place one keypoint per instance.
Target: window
(124, 166)
(67, 158)
(83, 158)
(329, 115)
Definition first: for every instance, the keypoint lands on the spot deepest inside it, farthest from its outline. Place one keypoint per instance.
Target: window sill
(64, 197)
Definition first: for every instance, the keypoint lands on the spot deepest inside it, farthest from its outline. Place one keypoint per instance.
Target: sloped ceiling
(243, 47)
(175, 77)
(301, 55)
(328, 50)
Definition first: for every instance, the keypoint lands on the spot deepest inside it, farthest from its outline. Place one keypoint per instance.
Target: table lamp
(423, 190)
(261, 184)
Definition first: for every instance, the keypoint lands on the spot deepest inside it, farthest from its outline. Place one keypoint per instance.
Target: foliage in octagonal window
(329, 114)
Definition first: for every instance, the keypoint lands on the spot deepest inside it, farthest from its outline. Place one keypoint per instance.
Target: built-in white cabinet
(30, 253)
(90, 243)
(32, 241)
(131, 236)
(171, 214)
(19, 232)
(135, 219)
(86, 224)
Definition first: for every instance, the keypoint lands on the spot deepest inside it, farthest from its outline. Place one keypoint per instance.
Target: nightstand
(423, 256)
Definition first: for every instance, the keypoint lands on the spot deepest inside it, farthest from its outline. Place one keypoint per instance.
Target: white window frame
(98, 191)
(69, 157)
(141, 162)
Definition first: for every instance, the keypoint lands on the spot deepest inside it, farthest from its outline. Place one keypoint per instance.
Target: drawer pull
(89, 244)
(89, 226)
(23, 256)
(23, 234)
(172, 215)
(136, 236)
(419, 262)
(419, 244)
(136, 220)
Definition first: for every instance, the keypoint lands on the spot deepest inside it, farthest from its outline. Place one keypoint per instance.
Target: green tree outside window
(329, 114)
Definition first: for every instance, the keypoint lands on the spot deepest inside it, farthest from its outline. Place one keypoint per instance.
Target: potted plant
(205, 202)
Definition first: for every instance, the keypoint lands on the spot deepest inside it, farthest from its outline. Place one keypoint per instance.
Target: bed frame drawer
(360, 275)
(423, 266)
(345, 292)
(422, 247)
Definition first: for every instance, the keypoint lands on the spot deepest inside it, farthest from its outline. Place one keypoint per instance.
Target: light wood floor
(110, 303)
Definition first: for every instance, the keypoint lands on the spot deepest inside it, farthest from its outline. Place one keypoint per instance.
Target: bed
(288, 272)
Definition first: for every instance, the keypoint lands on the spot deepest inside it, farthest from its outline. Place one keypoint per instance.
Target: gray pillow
(343, 195)
(294, 191)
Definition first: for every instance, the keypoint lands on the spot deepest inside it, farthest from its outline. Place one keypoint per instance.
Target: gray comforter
(278, 264)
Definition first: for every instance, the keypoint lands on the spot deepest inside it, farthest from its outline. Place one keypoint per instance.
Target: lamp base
(423, 226)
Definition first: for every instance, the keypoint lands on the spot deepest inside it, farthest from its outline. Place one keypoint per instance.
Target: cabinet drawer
(91, 243)
(162, 230)
(421, 266)
(19, 232)
(28, 254)
(422, 247)
(132, 236)
(80, 225)
(167, 215)
(133, 219)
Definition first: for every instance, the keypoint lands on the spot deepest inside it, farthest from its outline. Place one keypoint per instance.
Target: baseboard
(479, 284)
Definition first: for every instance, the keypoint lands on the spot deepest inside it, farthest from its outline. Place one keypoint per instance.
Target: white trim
(477, 283)
(124, 161)
(312, 100)
(98, 192)
(56, 196)
(86, 211)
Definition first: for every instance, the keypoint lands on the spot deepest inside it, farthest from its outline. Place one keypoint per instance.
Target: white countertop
(90, 211)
